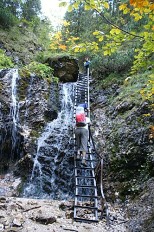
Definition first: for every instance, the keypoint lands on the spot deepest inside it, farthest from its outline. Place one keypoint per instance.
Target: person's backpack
(84, 105)
(80, 117)
(86, 64)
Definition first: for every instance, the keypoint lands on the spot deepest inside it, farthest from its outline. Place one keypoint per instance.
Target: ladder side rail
(93, 174)
(85, 95)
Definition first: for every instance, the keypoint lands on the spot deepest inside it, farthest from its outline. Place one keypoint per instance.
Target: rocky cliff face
(123, 134)
(28, 115)
(27, 105)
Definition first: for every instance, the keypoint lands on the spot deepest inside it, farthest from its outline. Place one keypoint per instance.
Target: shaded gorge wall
(35, 139)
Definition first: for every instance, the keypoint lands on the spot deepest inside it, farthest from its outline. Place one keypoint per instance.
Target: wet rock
(124, 106)
(65, 68)
(44, 220)
(50, 114)
(24, 166)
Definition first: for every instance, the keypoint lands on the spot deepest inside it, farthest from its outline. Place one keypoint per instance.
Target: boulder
(65, 68)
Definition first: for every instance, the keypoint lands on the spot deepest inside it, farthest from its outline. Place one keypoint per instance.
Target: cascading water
(52, 175)
(14, 110)
(9, 138)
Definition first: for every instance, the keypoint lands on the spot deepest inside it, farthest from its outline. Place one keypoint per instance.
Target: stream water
(14, 110)
(52, 174)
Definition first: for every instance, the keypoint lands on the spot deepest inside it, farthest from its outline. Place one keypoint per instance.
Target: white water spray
(49, 145)
(14, 106)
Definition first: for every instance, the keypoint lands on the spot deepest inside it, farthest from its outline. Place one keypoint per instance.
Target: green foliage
(43, 30)
(118, 63)
(7, 19)
(43, 56)
(5, 61)
(12, 11)
(14, 7)
(40, 70)
(133, 86)
(31, 9)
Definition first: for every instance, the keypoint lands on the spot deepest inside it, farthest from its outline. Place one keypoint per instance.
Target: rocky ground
(29, 215)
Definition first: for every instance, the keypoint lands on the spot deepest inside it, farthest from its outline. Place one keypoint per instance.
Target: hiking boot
(84, 162)
(78, 156)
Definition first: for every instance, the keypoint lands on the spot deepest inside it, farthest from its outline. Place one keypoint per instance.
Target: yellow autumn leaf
(53, 47)
(96, 33)
(76, 49)
(147, 11)
(137, 16)
(146, 3)
(70, 8)
(146, 34)
(58, 35)
(142, 91)
(106, 5)
(146, 115)
(123, 6)
(152, 7)
(139, 3)
(96, 47)
(62, 4)
(106, 52)
(76, 5)
(87, 7)
(75, 38)
(101, 38)
(66, 23)
(115, 31)
(147, 27)
(62, 47)
(82, 49)
(112, 32)
(126, 11)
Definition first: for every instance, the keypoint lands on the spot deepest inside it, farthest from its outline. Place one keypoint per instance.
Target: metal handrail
(104, 202)
(103, 196)
(88, 93)
(92, 140)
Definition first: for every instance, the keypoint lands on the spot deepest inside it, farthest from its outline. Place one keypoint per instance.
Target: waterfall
(14, 112)
(49, 178)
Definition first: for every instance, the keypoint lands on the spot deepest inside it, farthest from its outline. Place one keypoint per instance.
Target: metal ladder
(86, 198)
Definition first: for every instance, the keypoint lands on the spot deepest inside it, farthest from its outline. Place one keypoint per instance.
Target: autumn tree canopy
(133, 23)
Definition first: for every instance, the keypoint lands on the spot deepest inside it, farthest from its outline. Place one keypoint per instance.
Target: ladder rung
(90, 153)
(85, 220)
(85, 207)
(84, 168)
(85, 177)
(77, 195)
(93, 160)
(89, 160)
(86, 186)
